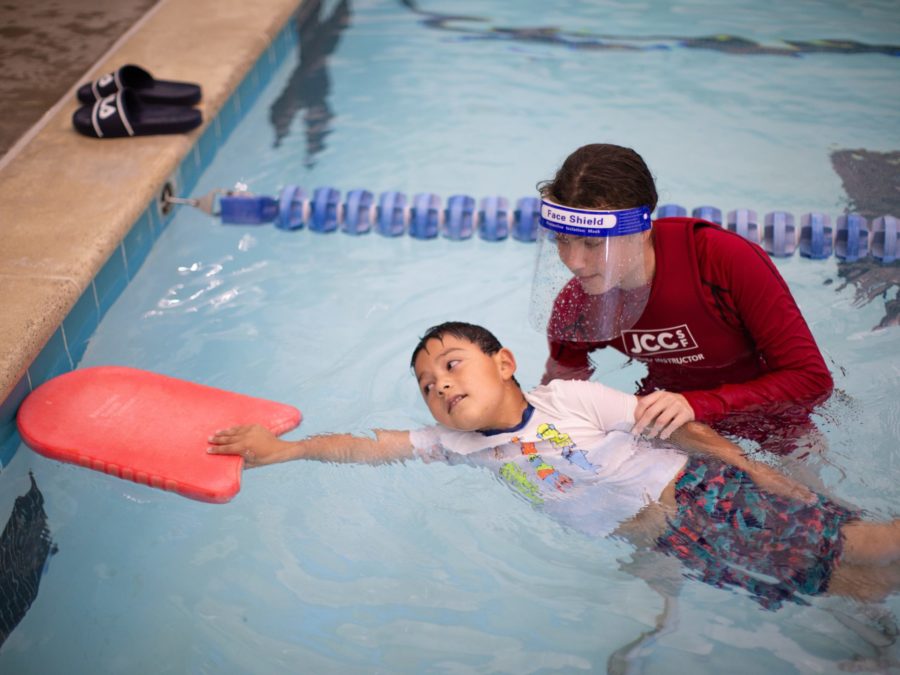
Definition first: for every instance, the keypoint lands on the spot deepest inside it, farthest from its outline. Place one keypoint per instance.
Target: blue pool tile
(9, 407)
(285, 43)
(229, 117)
(271, 55)
(110, 281)
(276, 50)
(288, 38)
(80, 324)
(9, 443)
(249, 89)
(274, 55)
(52, 361)
(138, 243)
(189, 171)
(261, 72)
(157, 219)
(208, 146)
(9, 437)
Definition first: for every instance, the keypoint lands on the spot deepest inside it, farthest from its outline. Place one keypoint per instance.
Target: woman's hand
(661, 413)
(256, 444)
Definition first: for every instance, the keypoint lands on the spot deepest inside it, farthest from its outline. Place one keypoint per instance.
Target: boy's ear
(506, 363)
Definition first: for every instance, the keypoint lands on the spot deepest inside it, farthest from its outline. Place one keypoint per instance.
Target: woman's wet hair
(481, 337)
(602, 176)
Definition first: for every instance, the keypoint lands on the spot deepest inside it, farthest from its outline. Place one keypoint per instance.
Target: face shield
(593, 276)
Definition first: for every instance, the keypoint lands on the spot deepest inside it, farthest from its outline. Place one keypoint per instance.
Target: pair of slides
(130, 102)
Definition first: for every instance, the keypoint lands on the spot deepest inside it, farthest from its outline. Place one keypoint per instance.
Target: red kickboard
(145, 427)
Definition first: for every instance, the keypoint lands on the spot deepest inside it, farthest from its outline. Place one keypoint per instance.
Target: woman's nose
(573, 257)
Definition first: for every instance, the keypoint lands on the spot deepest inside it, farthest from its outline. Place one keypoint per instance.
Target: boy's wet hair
(602, 176)
(482, 338)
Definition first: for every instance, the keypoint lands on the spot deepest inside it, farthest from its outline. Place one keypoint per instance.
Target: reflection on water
(308, 88)
(25, 547)
(872, 183)
(586, 40)
(874, 280)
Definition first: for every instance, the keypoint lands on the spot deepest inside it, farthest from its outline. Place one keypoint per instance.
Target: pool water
(317, 567)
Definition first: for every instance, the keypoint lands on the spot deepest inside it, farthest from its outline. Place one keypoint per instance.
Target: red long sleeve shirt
(720, 327)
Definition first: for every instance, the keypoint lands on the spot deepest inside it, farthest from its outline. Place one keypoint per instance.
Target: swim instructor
(706, 310)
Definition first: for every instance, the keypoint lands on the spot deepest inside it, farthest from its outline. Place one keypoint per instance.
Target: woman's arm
(699, 439)
(752, 295)
(259, 446)
(749, 294)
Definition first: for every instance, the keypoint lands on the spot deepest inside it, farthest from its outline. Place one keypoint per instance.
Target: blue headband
(594, 223)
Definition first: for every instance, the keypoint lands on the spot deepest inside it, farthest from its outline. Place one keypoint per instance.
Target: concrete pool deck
(67, 201)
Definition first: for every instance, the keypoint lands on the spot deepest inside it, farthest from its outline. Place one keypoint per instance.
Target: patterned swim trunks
(731, 533)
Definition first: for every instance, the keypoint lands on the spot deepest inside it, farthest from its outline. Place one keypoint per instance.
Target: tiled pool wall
(68, 343)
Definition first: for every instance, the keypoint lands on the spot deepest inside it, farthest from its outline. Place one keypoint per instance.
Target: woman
(706, 310)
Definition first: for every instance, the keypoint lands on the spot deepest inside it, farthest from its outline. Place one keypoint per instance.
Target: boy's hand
(661, 413)
(256, 444)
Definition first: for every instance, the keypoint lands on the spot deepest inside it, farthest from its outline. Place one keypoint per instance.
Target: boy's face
(463, 387)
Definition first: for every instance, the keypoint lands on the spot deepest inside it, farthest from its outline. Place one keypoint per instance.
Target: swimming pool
(436, 568)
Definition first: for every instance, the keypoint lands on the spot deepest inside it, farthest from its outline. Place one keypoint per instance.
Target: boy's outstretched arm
(697, 438)
(259, 446)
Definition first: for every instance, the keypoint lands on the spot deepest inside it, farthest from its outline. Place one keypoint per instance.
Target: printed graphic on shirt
(547, 475)
(545, 472)
(565, 444)
(651, 344)
(520, 482)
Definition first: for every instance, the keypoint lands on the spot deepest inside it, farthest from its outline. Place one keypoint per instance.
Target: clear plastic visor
(590, 288)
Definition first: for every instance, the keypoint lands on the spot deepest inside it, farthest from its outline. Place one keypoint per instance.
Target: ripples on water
(412, 567)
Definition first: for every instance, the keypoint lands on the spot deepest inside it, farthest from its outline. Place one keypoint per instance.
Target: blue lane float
(459, 217)
(392, 214)
(816, 236)
(358, 212)
(526, 219)
(292, 211)
(745, 223)
(493, 219)
(324, 210)
(236, 209)
(390, 217)
(885, 239)
(851, 238)
(424, 216)
(670, 211)
(710, 213)
(779, 234)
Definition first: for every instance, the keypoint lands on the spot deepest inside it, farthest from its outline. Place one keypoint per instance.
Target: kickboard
(145, 427)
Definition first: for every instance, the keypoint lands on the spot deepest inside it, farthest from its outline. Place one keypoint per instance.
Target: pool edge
(80, 215)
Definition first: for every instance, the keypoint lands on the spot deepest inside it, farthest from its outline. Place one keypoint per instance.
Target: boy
(567, 446)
